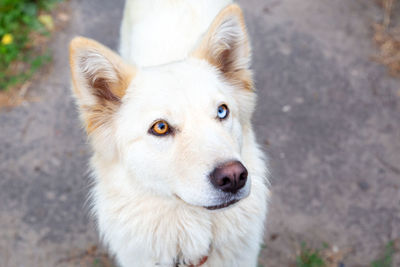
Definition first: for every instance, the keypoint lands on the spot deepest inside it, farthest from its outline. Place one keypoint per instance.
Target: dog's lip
(221, 206)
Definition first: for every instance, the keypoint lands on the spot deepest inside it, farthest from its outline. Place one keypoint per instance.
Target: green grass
(20, 28)
(309, 257)
(387, 258)
(99, 262)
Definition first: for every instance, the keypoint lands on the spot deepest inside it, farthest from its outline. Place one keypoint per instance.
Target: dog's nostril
(225, 181)
(230, 177)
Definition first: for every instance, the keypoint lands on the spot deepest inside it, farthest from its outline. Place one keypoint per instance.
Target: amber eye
(222, 112)
(159, 128)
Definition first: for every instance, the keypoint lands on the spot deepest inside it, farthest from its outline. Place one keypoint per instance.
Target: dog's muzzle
(229, 178)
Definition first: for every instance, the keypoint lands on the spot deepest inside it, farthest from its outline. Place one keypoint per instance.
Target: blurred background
(327, 74)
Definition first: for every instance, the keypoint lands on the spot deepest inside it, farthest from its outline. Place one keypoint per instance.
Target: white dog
(170, 127)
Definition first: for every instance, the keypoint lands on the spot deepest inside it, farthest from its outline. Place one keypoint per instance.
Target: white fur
(150, 192)
(156, 32)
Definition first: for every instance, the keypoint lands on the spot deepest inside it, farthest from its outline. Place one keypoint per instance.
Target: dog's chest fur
(147, 231)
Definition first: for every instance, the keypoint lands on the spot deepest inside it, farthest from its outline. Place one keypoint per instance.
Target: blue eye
(223, 112)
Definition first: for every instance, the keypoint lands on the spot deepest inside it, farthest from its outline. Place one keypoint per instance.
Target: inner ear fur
(226, 46)
(100, 79)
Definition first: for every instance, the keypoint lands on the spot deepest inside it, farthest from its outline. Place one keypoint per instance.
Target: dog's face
(178, 123)
(177, 129)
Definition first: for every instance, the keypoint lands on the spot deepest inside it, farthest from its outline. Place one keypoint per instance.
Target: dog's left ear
(100, 79)
(226, 46)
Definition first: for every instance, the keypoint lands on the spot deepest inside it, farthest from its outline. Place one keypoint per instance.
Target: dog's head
(178, 129)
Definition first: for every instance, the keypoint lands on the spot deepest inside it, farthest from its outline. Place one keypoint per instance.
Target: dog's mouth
(221, 206)
(216, 207)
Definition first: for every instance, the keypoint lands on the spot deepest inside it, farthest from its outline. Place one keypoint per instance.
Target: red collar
(202, 261)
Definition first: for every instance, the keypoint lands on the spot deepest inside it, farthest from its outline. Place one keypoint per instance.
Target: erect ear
(226, 46)
(100, 79)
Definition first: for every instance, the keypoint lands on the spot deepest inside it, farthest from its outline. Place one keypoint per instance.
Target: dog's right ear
(226, 46)
(100, 79)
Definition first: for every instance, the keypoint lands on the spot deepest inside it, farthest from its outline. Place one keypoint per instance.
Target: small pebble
(286, 108)
(55, 161)
(285, 49)
(63, 198)
(50, 195)
(299, 100)
(363, 185)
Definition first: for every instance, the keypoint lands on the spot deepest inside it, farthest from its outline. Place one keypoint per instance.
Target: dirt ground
(328, 116)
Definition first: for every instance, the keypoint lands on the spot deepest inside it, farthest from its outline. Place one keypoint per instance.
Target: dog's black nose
(229, 177)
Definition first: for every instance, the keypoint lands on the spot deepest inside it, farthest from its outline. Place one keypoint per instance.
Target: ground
(328, 117)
